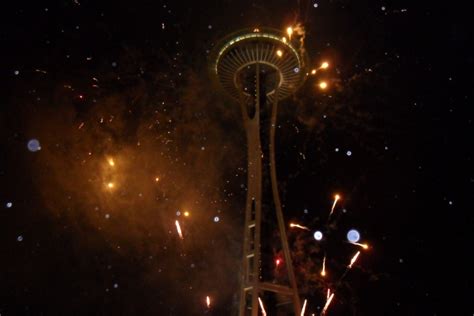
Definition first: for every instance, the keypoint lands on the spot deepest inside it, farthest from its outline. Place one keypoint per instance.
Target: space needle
(258, 68)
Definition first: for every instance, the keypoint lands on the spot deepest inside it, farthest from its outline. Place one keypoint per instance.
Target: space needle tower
(258, 68)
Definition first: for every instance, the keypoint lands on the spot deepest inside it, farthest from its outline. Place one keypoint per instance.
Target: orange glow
(324, 65)
(323, 85)
(279, 53)
(186, 213)
(110, 185)
(111, 162)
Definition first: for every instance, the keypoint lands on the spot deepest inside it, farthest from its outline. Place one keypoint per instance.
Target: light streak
(208, 301)
(354, 259)
(178, 229)
(328, 293)
(299, 226)
(328, 302)
(323, 270)
(303, 309)
(264, 313)
(336, 198)
(364, 246)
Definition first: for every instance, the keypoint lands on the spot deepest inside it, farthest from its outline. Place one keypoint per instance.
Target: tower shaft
(252, 286)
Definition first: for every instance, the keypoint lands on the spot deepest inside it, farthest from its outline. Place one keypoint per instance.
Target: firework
(328, 302)
(323, 270)
(111, 162)
(354, 259)
(323, 85)
(264, 313)
(299, 226)
(178, 229)
(289, 31)
(208, 301)
(303, 308)
(364, 246)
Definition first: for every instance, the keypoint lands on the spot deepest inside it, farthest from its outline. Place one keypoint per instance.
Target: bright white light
(216, 219)
(353, 235)
(318, 235)
(9, 204)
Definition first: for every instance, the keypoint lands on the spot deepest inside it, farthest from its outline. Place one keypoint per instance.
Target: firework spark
(111, 162)
(328, 293)
(354, 259)
(336, 197)
(264, 313)
(208, 301)
(328, 302)
(289, 31)
(299, 226)
(364, 246)
(178, 229)
(303, 309)
(323, 270)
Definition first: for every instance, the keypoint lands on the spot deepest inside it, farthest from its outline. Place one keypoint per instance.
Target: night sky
(132, 132)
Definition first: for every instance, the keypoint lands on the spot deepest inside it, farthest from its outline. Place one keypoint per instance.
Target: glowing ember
(336, 197)
(208, 301)
(279, 53)
(299, 226)
(323, 270)
(323, 85)
(303, 309)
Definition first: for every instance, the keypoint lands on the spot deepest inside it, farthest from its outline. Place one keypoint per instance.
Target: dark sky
(128, 82)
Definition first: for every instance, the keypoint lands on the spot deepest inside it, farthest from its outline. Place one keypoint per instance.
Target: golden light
(208, 301)
(111, 162)
(324, 65)
(283, 39)
(264, 313)
(289, 30)
(323, 85)
(337, 197)
(313, 72)
(110, 185)
(279, 53)
(323, 270)
(186, 213)
(157, 179)
(364, 246)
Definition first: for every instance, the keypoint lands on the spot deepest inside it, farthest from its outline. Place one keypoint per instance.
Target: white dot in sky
(318, 235)
(349, 153)
(383, 8)
(336, 149)
(178, 213)
(114, 64)
(353, 235)
(203, 148)
(216, 219)
(209, 26)
(33, 145)
(315, 5)
(296, 70)
(305, 211)
(19, 238)
(16, 72)
(450, 202)
(115, 285)
(107, 215)
(9, 204)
